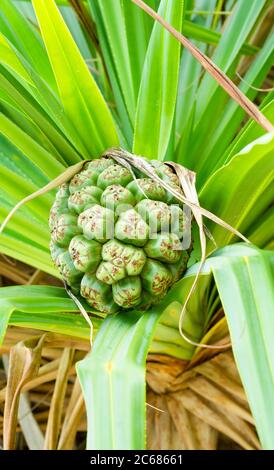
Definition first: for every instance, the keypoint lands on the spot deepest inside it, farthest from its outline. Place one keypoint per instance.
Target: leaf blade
(158, 86)
(79, 93)
(118, 357)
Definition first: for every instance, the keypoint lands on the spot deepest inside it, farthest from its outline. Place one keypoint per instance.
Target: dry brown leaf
(176, 441)
(162, 440)
(74, 413)
(216, 374)
(182, 422)
(28, 424)
(213, 393)
(244, 429)
(227, 364)
(207, 436)
(57, 401)
(214, 417)
(150, 422)
(24, 364)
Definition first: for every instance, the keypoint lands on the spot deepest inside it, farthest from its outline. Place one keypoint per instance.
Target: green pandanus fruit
(116, 235)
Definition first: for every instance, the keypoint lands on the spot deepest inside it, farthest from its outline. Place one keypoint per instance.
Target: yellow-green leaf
(158, 89)
(81, 98)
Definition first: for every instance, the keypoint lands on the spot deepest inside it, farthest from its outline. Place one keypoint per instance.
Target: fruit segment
(116, 235)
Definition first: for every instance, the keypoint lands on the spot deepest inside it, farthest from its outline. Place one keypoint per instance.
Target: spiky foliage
(127, 83)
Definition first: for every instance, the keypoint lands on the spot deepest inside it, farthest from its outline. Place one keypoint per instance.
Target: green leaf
(25, 38)
(240, 191)
(247, 272)
(16, 186)
(43, 308)
(189, 78)
(33, 299)
(19, 229)
(261, 232)
(114, 23)
(200, 33)
(251, 131)
(40, 157)
(18, 247)
(237, 28)
(81, 98)
(213, 155)
(80, 36)
(23, 99)
(158, 89)
(123, 116)
(138, 25)
(211, 99)
(8, 58)
(70, 324)
(32, 84)
(27, 235)
(27, 126)
(112, 377)
(13, 159)
(6, 311)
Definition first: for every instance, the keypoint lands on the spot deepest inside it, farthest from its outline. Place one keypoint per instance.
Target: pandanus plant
(100, 99)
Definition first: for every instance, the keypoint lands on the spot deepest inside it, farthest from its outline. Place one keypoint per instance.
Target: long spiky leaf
(215, 71)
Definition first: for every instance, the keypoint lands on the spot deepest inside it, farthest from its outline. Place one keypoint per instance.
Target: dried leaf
(182, 421)
(24, 365)
(207, 436)
(57, 401)
(213, 393)
(28, 424)
(216, 418)
(74, 413)
(216, 374)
